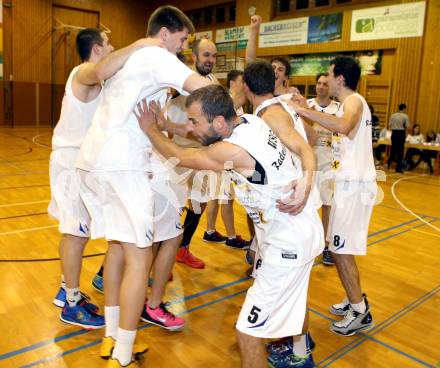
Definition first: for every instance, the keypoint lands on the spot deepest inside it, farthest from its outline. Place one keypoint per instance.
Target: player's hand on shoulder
(297, 97)
(145, 42)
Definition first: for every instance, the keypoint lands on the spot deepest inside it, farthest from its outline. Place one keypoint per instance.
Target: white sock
(300, 346)
(111, 315)
(360, 307)
(63, 282)
(73, 296)
(210, 232)
(124, 346)
(232, 237)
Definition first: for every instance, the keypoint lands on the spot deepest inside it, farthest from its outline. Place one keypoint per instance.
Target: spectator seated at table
(416, 137)
(379, 148)
(427, 155)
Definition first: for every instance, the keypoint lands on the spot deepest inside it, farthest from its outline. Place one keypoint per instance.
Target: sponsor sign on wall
(284, 32)
(394, 21)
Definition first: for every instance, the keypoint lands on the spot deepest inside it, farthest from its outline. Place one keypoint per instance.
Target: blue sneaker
(285, 346)
(98, 283)
(79, 315)
(60, 301)
(288, 361)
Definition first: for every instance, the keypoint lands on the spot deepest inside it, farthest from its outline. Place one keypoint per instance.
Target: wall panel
(428, 97)
(31, 47)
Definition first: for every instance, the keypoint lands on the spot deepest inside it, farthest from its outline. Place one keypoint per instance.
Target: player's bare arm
(282, 125)
(251, 47)
(345, 125)
(216, 157)
(94, 73)
(196, 81)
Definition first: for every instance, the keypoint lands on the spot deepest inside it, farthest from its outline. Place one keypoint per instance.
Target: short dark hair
(215, 101)
(85, 40)
(402, 107)
(319, 75)
(169, 17)
(349, 68)
(259, 77)
(285, 62)
(232, 76)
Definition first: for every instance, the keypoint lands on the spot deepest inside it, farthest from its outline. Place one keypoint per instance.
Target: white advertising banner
(394, 21)
(284, 32)
(232, 34)
(204, 34)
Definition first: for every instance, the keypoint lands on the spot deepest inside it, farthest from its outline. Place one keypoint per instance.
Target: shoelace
(348, 318)
(85, 297)
(163, 306)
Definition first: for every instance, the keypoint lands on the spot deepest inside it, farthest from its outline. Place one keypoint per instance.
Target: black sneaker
(327, 258)
(215, 237)
(237, 243)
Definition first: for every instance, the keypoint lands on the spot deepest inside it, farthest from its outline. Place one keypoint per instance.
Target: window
(223, 15)
(287, 7)
(220, 15)
(208, 16)
(232, 12)
(302, 4)
(284, 5)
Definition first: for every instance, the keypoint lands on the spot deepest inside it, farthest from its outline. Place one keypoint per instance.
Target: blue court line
(364, 336)
(399, 351)
(81, 332)
(96, 342)
(362, 339)
(396, 316)
(400, 232)
(402, 210)
(395, 227)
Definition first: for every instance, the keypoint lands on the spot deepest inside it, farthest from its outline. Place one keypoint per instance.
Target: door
(67, 22)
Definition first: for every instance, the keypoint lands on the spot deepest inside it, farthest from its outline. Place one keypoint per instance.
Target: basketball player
(282, 69)
(263, 169)
(259, 79)
(114, 164)
(355, 189)
(81, 98)
(323, 149)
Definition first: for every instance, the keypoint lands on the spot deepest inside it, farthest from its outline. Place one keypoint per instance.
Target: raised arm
(251, 47)
(91, 73)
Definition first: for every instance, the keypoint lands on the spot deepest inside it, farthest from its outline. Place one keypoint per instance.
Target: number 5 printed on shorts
(254, 315)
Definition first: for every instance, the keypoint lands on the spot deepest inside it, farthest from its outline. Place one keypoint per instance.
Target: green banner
(312, 64)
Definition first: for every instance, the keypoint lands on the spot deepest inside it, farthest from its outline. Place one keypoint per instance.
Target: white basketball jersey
(353, 158)
(323, 145)
(75, 118)
(282, 239)
(314, 196)
(298, 123)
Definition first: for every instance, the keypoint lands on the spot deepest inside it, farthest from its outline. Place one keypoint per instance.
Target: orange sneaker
(186, 257)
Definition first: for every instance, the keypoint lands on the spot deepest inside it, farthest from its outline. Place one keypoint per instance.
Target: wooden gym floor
(400, 274)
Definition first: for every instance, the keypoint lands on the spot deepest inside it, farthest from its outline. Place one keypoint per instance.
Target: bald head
(204, 54)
